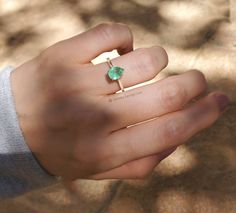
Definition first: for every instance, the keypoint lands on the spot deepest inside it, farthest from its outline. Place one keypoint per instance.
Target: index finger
(102, 38)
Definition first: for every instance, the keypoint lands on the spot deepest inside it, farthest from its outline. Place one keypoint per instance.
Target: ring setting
(115, 73)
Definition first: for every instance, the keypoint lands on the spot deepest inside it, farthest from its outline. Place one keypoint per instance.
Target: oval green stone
(115, 73)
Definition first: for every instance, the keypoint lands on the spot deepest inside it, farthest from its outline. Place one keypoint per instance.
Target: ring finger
(139, 66)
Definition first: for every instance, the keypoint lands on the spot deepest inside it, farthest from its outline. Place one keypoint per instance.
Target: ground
(201, 175)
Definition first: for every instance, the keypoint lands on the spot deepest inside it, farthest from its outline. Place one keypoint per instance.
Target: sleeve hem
(19, 169)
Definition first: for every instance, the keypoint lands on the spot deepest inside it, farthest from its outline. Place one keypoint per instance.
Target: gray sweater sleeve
(19, 170)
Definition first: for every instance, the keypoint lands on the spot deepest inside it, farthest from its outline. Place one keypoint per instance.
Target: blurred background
(201, 175)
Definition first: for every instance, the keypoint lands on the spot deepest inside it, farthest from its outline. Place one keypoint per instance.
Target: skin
(76, 124)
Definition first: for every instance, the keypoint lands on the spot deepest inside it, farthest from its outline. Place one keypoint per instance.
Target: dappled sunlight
(94, 190)
(182, 202)
(89, 5)
(173, 199)
(201, 175)
(177, 11)
(180, 161)
(230, 155)
(121, 205)
(61, 198)
(152, 3)
(8, 6)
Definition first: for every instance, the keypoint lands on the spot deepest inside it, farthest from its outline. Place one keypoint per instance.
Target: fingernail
(223, 101)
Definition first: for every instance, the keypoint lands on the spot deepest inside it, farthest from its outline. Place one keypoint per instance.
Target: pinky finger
(137, 169)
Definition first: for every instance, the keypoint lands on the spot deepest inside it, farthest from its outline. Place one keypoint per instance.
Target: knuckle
(148, 62)
(151, 60)
(173, 131)
(106, 30)
(109, 30)
(173, 95)
(127, 31)
(51, 55)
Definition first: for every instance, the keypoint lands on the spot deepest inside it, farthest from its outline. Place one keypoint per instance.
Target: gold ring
(115, 73)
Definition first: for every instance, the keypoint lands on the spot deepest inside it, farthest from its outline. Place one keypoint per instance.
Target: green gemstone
(115, 73)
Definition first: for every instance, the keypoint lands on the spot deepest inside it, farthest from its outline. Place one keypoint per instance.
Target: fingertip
(128, 45)
(207, 110)
(222, 101)
(162, 55)
(204, 113)
(198, 79)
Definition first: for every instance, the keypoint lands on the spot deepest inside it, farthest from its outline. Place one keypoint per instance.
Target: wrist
(27, 100)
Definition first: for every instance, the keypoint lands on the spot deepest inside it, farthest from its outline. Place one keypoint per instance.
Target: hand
(75, 123)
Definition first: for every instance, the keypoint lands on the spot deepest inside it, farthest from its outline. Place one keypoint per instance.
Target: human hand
(75, 123)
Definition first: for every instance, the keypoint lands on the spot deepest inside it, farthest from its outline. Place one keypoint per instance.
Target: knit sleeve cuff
(19, 170)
